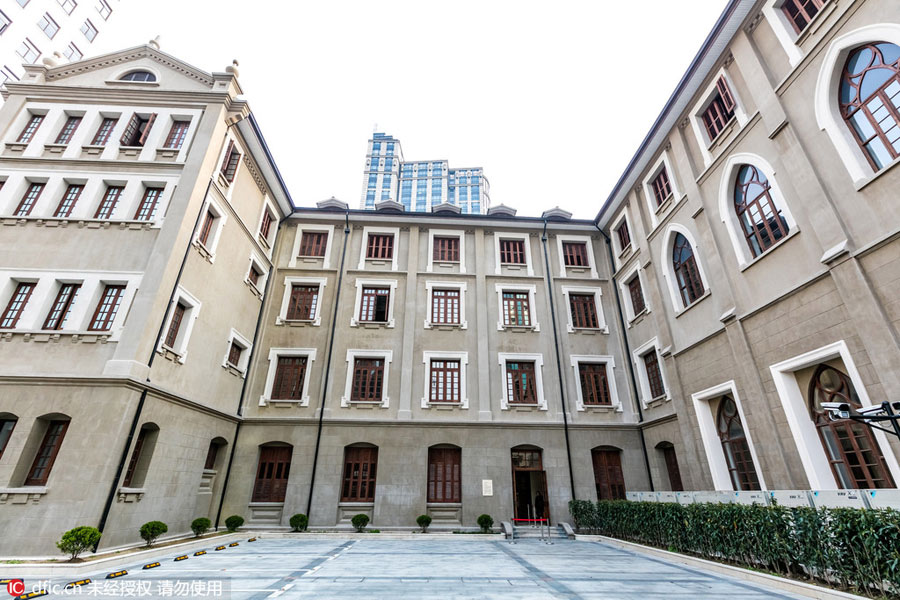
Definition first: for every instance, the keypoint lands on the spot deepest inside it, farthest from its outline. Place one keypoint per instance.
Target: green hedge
(845, 547)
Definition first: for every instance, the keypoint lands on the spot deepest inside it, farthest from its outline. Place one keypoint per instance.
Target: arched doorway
(529, 483)
(735, 446)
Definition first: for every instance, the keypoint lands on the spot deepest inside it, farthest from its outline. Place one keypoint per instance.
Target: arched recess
(141, 455)
(827, 103)
(359, 473)
(671, 233)
(666, 451)
(214, 455)
(726, 203)
(272, 472)
(609, 478)
(41, 449)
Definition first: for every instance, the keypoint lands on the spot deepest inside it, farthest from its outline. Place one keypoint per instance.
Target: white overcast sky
(551, 98)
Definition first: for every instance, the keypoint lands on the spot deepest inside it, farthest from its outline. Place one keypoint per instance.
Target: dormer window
(145, 76)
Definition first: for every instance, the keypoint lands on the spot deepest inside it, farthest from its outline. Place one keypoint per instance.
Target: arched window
(854, 455)
(609, 479)
(272, 472)
(138, 76)
(870, 99)
(686, 273)
(667, 449)
(735, 446)
(760, 218)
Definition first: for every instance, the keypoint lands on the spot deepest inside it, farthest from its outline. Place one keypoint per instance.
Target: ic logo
(16, 587)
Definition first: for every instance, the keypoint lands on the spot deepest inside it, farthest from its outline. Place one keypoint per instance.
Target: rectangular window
(662, 189)
(637, 295)
(102, 135)
(272, 474)
(16, 305)
(30, 128)
(446, 249)
(65, 134)
(358, 483)
(27, 203)
(104, 9)
(444, 381)
(445, 307)
(624, 235)
(368, 380)
(135, 457)
(28, 52)
(230, 162)
(801, 12)
(88, 29)
(147, 209)
(207, 226)
(175, 324)
(313, 243)
(176, 136)
(594, 384)
(72, 53)
(654, 377)
(62, 306)
(516, 310)
(68, 5)
(289, 374)
(266, 226)
(234, 354)
(720, 110)
(512, 252)
(608, 477)
(46, 454)
(109, 202)
(254, 275)
(380, 246)
(374, 305)
(584, 311)
(48, 25)
(73, 192)
(575, 254)
(521, 386)
(107, 308)
(138, 129)
(303, 302)
(444, 475)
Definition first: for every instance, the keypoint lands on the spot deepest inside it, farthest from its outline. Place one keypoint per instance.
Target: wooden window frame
(265, 224)
(736, 448)
(30, 198)
(511, 250)
(313, 243)
(521, 393)
(230, 162)
(368, 379)
(49, 449)
(445, 306)
(593, 378)
(445, 249)
(68, 130)
(516, 308)
(444, 476)
(16, 305)
(687, 273)
(661, 186)
(34, 123)
(774, 228)
(137, 131)
(636, 294)
(107, 307)
(69, 200)
(653, 371)
(609, 478)
(108, 203)
(624, 236)
(235, 352)
(583, 310)
(146, 210)
(104, 130)
(359, 474)
(720, 110)
(670, 459)
(7, 427)
(801, 12)
(303, 297)
(61, 307)
(135, 456)
(369, 309)
(445, 377)
(575, 254)
(290, 376)
(177, 134)
(273, 469)
(177, 318)
(211, 455)
(380, 246)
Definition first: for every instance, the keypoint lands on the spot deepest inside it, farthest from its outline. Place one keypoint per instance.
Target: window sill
(252, 287)
(88, 150)
(861, 183)
(426, 404)
(264, 242)
(366, 403)
(283, 402)
(658, 401)
(89, 223)
(356, 504)
(519, 328)
(23, 494)
(16, 147)
(446, 326)
(664, 205)
(172, 355)
(130, 494)
(167, 154)
(684, 309)
(223, 181)
(638, 317)
(445, 264)
(587, 330)
(311, 259)
(297, 322)
(721, 139)
(137, 84)
(600, 408)
(624, 252)
(379, 262)
(39, 335)
(234, 370)
(770, 249)
(514, 266)
(205, 252)
(372, 324)
(131, 151)
(519, 407)
(55, 148)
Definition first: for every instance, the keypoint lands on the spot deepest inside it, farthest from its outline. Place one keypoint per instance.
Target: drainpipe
(334, 317)
(559, 372)
(634, 385)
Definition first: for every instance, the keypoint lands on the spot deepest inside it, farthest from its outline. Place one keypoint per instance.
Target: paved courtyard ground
(372, 569)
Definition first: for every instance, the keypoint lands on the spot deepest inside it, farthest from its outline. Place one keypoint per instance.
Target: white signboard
(487, 487)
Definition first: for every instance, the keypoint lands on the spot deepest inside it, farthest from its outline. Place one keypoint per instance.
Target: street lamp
(868, 415)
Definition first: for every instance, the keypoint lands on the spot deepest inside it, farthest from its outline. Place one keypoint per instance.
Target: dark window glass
(177, 134)
(446, 249)
(147, 209)
(289, 374)
(380, 247)
(137, 130)
(135, 457)
(720, 110)
(175, 324)
(313, 243)
(609, 479)
(6, 429)
(104, 131)
(62, 306)
(47, 452)
(272, 474)
(687, 275)
(67, 203)
(374, 304)
(594, 384)
(584, 311)
(107, 308)
(624, 235)
(512, 252)
(521, 385)
(360, 465)
(735, 446)
(368, 380)
(654, 376)
(230, 163)
(662, 189)
(109, 202)
(303, 302)
(28, 200)
(68, 130)
(16, 305)
(30, 128)
(637, 295)
(575, 254)
(801, 12)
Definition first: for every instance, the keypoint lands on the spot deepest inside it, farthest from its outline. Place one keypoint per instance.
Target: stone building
(177, 340)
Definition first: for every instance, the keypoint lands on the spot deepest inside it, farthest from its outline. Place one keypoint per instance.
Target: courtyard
(440, 569)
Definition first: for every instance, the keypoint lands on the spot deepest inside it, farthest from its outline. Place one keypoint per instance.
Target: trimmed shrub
(299, 522)
(233, 522)
(151, 530)
(360, 521)
(423, 521)
(485, 522)
(77, 540)
(200, 526)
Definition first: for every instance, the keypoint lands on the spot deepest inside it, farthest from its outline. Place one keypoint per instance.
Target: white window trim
(706, 419)
(395, 231)
(610, 362)
(445, 285)
(783, 30)
(229, 186)
(286, 299)
(526, 238)
(269, 242)
(360, 283)
(532, 308)
(729, 216)
(669, 269)
(463, 358)
(597, 293)
(613, 228)
(641, 369)
(697, 113)
(623, 290)
(185, 328)
(796, 410)
(538, 360)
(221, 217)
(827, 107)
(235, 336)
(352, 355)
(295, 253)
(650, 199)
(589, 248)
(256, 261)
(448, 233)
(274, 354)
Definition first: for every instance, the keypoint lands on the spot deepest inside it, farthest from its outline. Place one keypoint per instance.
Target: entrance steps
(523, 533)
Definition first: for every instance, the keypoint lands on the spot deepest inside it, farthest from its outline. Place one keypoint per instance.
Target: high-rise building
(422, 184)
(32, 29)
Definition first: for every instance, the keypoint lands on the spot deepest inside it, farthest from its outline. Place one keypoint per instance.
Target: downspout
(559, 371)
(140, 407)
(240, 410)
(334, 317)
(634, 385)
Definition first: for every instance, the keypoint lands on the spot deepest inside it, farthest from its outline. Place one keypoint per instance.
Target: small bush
(233, 522)
(423, 521)
(77, 540)
(360, 521)
(200, 526)
(485, 522)
(299, 522)
(152, 530)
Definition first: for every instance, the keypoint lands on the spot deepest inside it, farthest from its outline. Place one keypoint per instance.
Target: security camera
(870, 410)
(837, 410)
